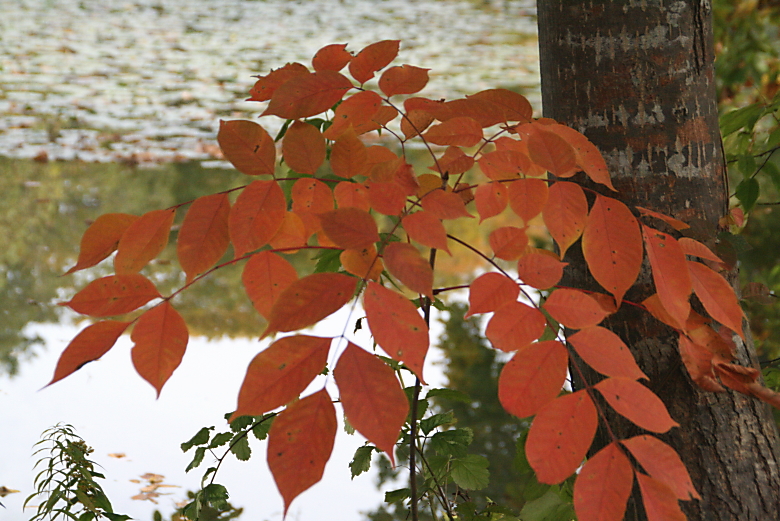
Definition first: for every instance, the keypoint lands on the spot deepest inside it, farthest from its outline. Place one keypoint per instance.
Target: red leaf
(415, 122)
(160, 338)
(508, 242)
(89, 345)
(527, 198)
(459, 132)
(490, 291)
(101, 239)
(203, 237)
(405, 263)
(670, 274)
(303, 148)
(612, 246)
(406, 79)
(396, 326)
(659, 500)
(333, 57)
(351, 195)
(348, 156)
(143, 240)
(113, 295)
(694, 248)
(388, 198)
(373, 58)
(311, 197)
(698, 362)
(491, 199)
(587, 156)
(453, 163)
(248, 146)
(510, 105)
(278, 374)
(501, 165)
(605, 352)
(445, 205)
(515, 325)
(308, 300)
(662, 463)
(533, 377)
(603, 486)
(266, 85)
(552, 152)
(350, 228)
(364, 263)
(671, 221)
(357, 111)
(560, 437)
(256, 216)
(717, 296)
(291, 234)
(540, 269)
(307, 95)
(637, 403)
(574, 309)
(565, 214)
(265, 276)
(300, 443)
(371, 395)
(427, 229)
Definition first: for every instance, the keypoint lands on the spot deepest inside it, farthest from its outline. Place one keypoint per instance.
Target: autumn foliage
(347, 192)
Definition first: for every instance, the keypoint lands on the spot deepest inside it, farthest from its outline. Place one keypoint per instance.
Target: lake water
(101, 87)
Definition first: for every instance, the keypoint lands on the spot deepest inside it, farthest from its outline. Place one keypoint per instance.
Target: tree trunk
(637, 78)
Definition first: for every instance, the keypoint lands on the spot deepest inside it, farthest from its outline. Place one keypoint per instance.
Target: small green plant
(66, 485)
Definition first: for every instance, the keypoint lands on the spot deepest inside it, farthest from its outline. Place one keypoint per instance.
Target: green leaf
(744, 117)
(449, 394)
(241, 423)
(117, 517)
(348, 428)
(549, 507)
(261, 429)
(216, 495)
(328, 261)
(437, 420)
(747, 192)
(201, 438)
(453, 443)
(471, 472)
(361, 461)
(197, 459)
(240, 447)
(394, 496)
(220, 439)
(747, 165)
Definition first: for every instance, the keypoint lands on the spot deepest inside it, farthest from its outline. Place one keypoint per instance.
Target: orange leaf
(396, 326)
(248, 146)
(670, 274)
(552, 152)
(308, 300)
(501, 165)
(510, 105)
(351, 195)
(333, 57)
(540, 269)
(533, 377)
(603, 485)
(350, 228)
(560, 437)
(388, 198)
(371, 395)
(653, 306)
(357, 111)
(717, 296)
(142, 241)
(291, 235)
(311, 197)
(89, 345)
(266, 85)
(307, 95)
(454, 162)
(637, 403)
(278, 374)
(605, 352)
(662, 463)
(383, 116)
(303, 148)
(405, 263)
(587, 156)
(671, 221)
(508, 242)
(256, 216)
(515, 325)
(427, 229)
(612, 246)
(160, 338)
(574, 308)
(300, 443)
(527, 198)
(373, 58)
(101, 239)
(415, 122)
(565, 214)
(364, 263)
(445, 205)
(694, 248)
(406, 79)
(203, 237)
(698, 363)
(348, 156)
(659, 500)
(265, 276)
(490, 291)
(459, 132)
(490, 199)
(113, 295)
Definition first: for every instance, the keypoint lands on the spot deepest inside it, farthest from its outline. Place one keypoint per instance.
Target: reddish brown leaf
(160, 338)
(350, 228)
(533, 377)
(265, 86)
(308, 300)
(552, 152)
(671, 221)
(659, 500)
(698, 362)
(371, 395)
(388, 198)
(113, 295)
(540, 269)
(396, 326)
(89, 345)
(670, 274)
(348, 156)
(311, 197)
(560, 437)
(291, 235)
(565, 214)
(694, 248)
(307, 95)
(500, 165)
(515, 325)
(587, 156)
(405, 263)
(653, 306)
(203, 237)
(248, 146)
(454, 162)
(265, 276)
(459, 132)
(142, 241)
(372, 58)
(333, 57)
(605, 352)
(574, 308)
(603, 486)
(637, 403)
(490, 199)
(490, 291)
(383, 116)
(508, 242)
(717, 296)
(510, 105)
(415, 122)
(426, 229)
(351, 195)
(364, 263)
(527, 198)
(719, 343)
(406, 79)
(101, 239)
(445, 205)
(612, 246)
(662, 463)
(303, 148)
(356, 111)
(300, 443)
(278, 374)
(256, 216)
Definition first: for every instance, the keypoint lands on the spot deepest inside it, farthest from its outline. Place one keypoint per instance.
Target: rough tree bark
(637, 77)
